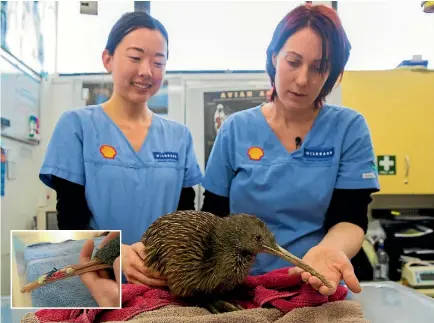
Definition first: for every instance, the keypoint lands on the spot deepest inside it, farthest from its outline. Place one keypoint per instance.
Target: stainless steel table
(390, 302)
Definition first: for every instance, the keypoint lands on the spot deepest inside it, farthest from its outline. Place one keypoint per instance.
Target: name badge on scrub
(167, 156)
(319, 153)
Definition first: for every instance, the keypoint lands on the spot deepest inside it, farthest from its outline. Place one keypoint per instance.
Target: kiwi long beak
(284, 254)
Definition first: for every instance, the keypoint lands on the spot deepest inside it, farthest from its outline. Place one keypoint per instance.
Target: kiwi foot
(220, 306)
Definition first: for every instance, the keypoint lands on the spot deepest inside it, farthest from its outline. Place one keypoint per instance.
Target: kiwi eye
(258, 237)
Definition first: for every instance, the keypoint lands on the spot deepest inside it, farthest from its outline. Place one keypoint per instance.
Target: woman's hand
(134, 268)
(104, 290)
(333, 264)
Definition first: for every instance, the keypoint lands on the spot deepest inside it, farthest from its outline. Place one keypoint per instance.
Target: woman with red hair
(305, 167)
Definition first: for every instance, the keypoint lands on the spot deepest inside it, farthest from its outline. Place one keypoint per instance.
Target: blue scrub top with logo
(125, 190)
(291, 192)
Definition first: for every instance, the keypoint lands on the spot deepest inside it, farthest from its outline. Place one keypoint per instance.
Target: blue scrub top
(125, 190)
(291, 192)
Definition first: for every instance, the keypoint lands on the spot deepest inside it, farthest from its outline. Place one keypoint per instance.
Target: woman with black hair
(117, 165)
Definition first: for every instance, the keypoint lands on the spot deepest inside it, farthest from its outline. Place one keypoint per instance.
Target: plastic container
(390, 302)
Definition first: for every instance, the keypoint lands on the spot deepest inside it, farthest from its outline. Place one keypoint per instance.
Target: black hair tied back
(129, 22)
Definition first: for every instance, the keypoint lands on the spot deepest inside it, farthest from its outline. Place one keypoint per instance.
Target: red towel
(275, 288)
(135, 300)
(284, 292)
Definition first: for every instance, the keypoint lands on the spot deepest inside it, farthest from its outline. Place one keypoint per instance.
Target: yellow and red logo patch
(108, 152)
(255, 153)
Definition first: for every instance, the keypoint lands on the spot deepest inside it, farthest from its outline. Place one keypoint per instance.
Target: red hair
(335, 44)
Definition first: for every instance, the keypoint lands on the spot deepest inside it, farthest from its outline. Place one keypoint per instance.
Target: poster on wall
(21, 31)
(20, 101)
(98, 93)
(219, 105)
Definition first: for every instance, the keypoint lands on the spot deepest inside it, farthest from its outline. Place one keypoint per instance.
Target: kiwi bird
(202, 254)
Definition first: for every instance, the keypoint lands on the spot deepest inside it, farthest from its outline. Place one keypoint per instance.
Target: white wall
(89, 34)
(20, 200)
(25, 192)
(231, 37)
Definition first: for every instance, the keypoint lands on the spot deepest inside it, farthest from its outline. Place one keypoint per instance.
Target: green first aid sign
(386, 164)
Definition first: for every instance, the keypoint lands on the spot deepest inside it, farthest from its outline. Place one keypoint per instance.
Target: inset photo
(65, 269)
